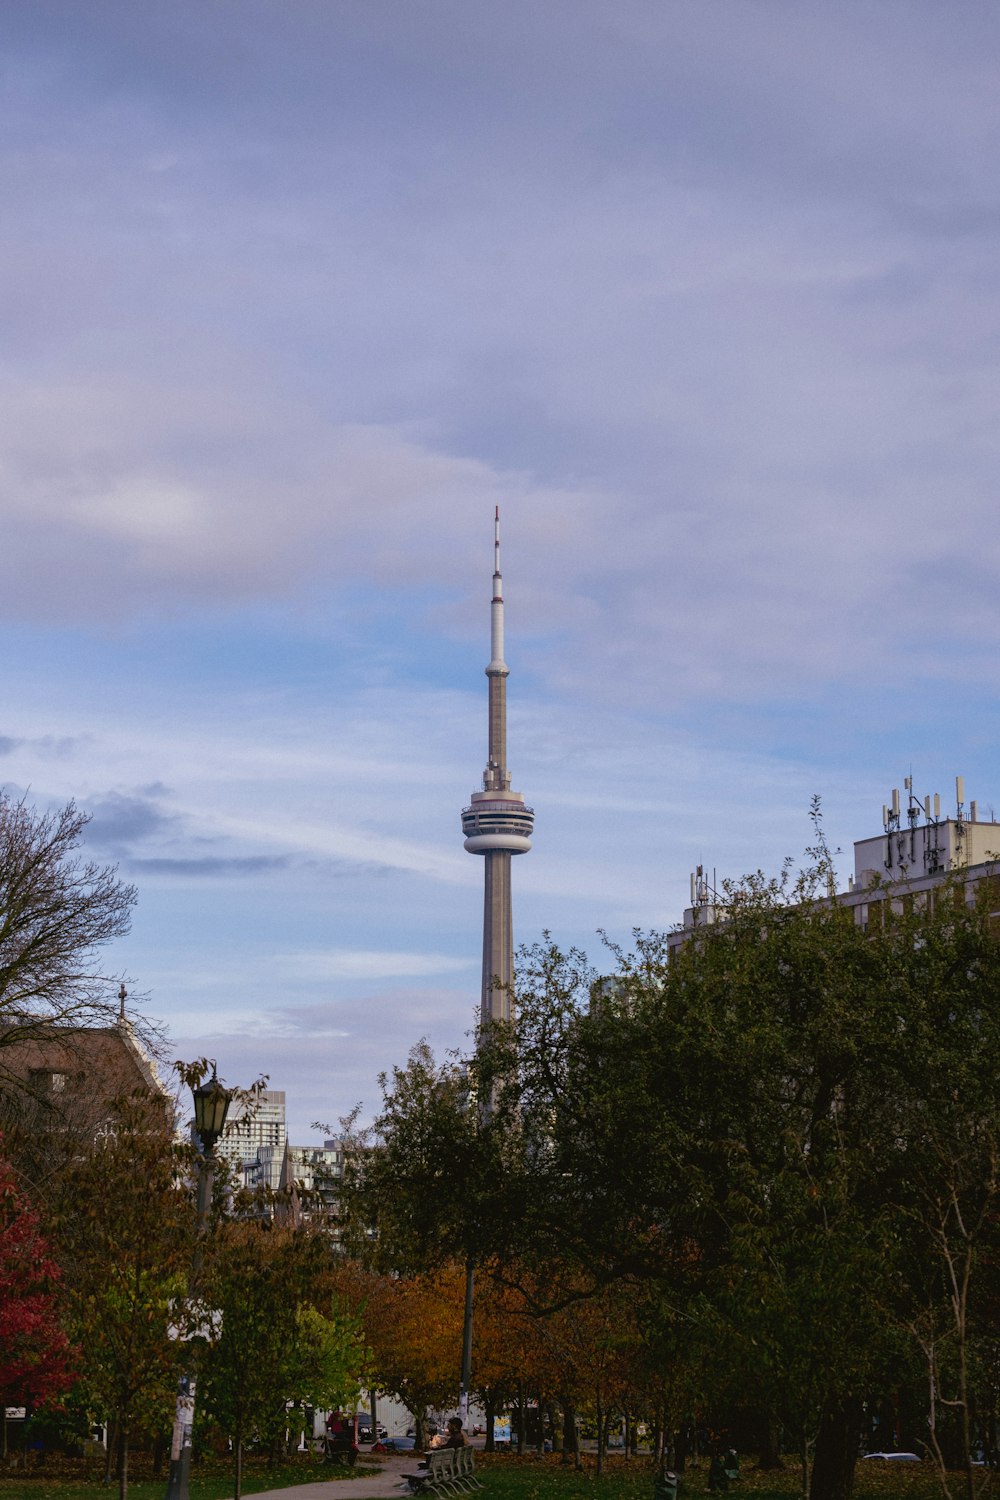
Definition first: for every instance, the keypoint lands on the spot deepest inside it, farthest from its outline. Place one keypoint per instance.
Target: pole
(463, 1402)
(180, 1441)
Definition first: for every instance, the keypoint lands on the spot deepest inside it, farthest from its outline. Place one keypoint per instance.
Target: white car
(904, 1458)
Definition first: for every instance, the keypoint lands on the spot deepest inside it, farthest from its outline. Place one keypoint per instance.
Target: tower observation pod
(497, 824)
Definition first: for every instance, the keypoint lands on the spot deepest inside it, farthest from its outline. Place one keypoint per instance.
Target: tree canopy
(36, 1357)
(785, 1132)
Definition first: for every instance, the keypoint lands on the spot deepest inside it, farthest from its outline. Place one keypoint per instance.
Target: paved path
(386, 1483)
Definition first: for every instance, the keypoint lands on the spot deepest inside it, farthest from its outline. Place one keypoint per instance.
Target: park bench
(449, 1471)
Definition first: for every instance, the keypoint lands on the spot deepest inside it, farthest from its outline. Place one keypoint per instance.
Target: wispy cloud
(712, 316)
(210, 866)
(359, 964)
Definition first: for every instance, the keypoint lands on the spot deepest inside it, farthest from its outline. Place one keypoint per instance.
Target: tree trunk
(557, 1428)
(238, 1461)
(110, 1449)
(681, 1445)
(769, 1439)
(570, 1445)
(521, 1420)
(600, 1436)
(836, 1451)
(540, 1440)
(491, 1413)
(123, 1462)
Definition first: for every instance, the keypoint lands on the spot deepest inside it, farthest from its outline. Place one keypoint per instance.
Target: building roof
(73, 1074)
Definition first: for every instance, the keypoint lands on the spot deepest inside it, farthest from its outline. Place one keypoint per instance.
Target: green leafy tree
(433, 1189)
(124, 1223)
(273, 1347)
(765, 1132)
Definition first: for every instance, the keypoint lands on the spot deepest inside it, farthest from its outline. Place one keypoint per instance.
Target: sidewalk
(381, 1486)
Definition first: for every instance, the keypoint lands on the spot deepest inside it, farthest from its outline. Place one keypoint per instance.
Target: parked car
(905, 1458)
(365, 1434)
(400, 1444)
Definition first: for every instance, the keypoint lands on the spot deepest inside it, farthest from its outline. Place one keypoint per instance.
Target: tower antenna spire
(497, 824)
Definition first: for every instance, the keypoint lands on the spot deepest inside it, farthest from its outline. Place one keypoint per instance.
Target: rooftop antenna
(891, 815)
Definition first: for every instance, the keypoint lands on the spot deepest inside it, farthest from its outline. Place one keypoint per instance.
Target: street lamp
(211, 1104)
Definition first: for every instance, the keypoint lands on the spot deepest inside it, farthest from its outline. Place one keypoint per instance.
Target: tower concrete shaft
(497, 824)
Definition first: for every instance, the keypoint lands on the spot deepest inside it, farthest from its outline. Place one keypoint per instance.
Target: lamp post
(463, 1400)
(211, 1104)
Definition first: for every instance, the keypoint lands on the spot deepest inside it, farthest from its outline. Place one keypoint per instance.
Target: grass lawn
(505, 1477)
(544, 1479)
(71, 1480)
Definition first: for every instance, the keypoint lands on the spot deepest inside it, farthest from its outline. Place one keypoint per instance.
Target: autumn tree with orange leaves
(412, 1326)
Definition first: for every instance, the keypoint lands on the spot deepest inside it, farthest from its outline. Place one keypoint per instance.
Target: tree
(327, 1361)
(57, 911)
(433, 1191)
(413, 1327)
(260, 1280)
(763, 1130)
(124, 1225)
(36, 1358)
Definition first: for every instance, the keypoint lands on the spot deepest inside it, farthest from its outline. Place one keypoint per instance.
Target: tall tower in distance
(497, 823)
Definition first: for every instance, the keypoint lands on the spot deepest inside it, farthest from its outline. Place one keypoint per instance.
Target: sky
(702, 293)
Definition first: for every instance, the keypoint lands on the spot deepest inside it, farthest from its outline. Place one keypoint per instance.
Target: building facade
(250, 1127)
(916, 852)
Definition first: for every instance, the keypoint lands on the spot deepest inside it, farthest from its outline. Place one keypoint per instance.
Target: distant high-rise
(251, 1126)
(497, 823)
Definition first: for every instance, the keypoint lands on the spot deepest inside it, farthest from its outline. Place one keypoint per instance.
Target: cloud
(46, 746)
(118, 820)
(328, 1058)
(361, 964)
(210, 866)
(703, 329)
(711, 315)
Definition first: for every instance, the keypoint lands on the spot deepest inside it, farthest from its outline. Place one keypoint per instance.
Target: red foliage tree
(35, 1354)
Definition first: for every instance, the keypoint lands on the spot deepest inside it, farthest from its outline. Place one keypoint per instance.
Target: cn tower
(497, 823)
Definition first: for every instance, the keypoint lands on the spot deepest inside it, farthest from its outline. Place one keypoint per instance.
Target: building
(251, 1127)
(916, 851)
(315, 1170)
(497, 824)
(68, 1078)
